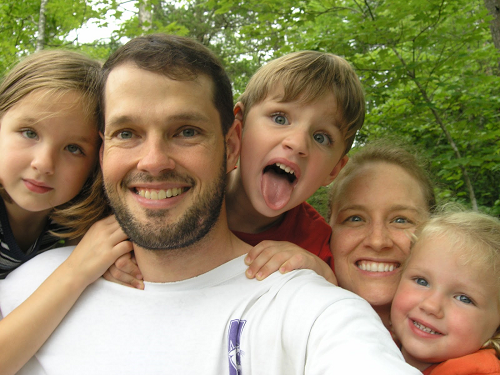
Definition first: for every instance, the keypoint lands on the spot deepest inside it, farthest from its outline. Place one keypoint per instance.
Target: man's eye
(421, 281)
(74, 149)
(30, 134)
(280, 119)
(188, 133)
(125, 134)
(322, 138)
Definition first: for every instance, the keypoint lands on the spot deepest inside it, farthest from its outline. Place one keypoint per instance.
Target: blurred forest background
(430, 68)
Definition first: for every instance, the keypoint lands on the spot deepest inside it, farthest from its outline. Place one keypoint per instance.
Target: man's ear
(336, 170)
(233, 145)
(101, 149)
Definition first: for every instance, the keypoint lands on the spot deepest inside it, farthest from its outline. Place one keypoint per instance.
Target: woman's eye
(463, 298)
(421, 281)
(353, 219)
(30, 134)
(401, 220)
(280, 119)
(322, 138)
(74, 149)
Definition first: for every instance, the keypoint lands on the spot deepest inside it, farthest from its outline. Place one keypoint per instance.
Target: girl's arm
(270, 256)
(25, 329)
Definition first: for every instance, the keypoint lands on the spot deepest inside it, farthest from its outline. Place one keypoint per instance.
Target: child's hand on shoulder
(102, 245)
(270, 256)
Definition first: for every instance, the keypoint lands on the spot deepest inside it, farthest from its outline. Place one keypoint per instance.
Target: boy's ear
(238, 111)
(336, 170)
(233, 145)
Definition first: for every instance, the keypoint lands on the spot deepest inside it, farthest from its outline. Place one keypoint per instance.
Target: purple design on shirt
(234, 351)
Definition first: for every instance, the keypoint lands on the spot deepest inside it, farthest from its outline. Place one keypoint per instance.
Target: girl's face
(443, 308)
(48, 147)
(378, 209)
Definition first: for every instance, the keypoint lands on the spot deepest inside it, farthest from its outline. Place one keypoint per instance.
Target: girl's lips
(37, 187)
(423, 329)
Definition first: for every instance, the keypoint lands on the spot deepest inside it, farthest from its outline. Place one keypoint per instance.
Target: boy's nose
(155, 157)
(297, 142)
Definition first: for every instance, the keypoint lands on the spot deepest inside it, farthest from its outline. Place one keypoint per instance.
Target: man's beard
(191, 227)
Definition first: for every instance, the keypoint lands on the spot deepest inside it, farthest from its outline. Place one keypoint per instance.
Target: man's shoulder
(25, 279)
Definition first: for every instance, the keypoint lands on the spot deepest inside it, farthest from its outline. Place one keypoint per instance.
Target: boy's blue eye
(74, 149)
(322, 138)
(30, 134)
(463, 298)
(280, 119)
(421, 281)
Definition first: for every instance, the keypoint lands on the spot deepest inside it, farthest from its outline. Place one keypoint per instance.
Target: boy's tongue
(276, 189)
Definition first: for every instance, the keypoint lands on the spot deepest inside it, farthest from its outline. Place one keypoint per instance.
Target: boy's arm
(270, 256)
(25, 329)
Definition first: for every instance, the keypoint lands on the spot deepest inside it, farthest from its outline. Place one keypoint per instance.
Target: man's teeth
(159, 194)
(285, 168)
(376, 266)
(424, 328)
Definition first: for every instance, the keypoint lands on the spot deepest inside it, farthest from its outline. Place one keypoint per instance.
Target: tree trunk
(145, 15)
(493, 7)
(40, 39)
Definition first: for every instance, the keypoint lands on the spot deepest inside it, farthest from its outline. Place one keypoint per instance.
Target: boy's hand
(125, 272)
(270, 256)
(101, 246)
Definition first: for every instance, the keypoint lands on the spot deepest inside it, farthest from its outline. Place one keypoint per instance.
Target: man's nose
(155, 157)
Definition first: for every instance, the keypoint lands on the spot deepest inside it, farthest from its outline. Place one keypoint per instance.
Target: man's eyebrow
(183, 116)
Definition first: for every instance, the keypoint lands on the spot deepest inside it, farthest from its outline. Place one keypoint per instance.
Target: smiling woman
(377, 201)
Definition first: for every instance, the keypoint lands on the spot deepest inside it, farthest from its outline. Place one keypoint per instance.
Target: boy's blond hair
(56, 72)
(476, 233)
(307, 75)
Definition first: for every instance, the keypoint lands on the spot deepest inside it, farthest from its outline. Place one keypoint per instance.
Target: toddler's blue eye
(463, 298)
(421, 281)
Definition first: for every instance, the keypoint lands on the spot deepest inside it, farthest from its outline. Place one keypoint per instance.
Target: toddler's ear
(238, 111)
(336, 170)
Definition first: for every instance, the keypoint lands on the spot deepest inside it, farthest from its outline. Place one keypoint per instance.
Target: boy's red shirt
(303, 226)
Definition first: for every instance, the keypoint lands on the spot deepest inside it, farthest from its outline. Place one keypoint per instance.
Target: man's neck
(216, 248)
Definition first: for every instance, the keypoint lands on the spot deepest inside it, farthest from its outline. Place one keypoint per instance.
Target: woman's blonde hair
(58, 72)
(389, 151)
(478, 234)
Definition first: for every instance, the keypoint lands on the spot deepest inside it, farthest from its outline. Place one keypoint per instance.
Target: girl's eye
(421, 281)
(124, 134)
(74, 149)
(280, 119)
(30, 134)
(322, 138)
(463, 298)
